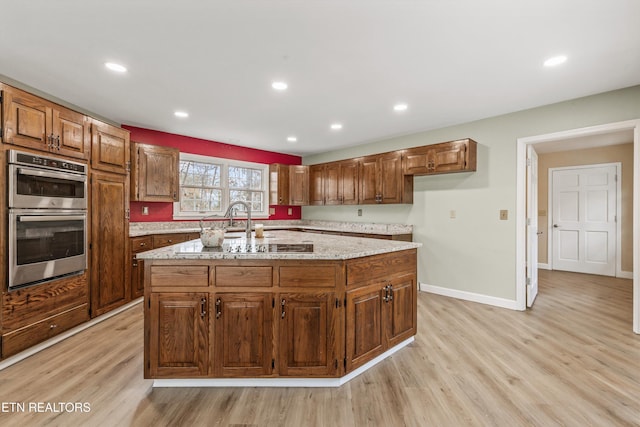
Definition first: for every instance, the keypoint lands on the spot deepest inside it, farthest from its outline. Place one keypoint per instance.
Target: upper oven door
(34, 188)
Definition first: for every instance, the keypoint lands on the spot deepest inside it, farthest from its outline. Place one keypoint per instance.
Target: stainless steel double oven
(47, 218)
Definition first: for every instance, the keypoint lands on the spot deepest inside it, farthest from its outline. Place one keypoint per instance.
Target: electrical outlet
(359, 212)
(272, 211)
(504, 214)
(452, 214)
(145, 210)
(290, 212)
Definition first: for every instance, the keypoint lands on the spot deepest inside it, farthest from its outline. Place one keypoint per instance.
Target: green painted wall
(475, 252)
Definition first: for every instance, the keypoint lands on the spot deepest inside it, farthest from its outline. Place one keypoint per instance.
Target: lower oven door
(45, 244)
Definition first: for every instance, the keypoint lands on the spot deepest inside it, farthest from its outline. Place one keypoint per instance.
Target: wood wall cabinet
(298, 185)
(110, 280)
(154, 173)
(288, 185)
(109, 148)
(178, 334)
(446, 157)
(388, 177)
(382, 180)
(32, 122)
(341, 183)
(316, 184)
(278, 184)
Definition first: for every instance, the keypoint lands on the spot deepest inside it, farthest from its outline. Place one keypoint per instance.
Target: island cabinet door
(307, 333)
(364, 325)
(179, 335)
(243, 334)
(400, 309)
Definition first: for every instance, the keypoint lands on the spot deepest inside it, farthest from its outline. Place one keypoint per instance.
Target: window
(208, 185)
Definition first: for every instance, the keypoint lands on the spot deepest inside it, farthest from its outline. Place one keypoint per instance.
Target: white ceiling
(348, 61)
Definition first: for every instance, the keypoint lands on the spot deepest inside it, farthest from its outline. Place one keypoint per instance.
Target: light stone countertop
(325, 247)
(137, 229)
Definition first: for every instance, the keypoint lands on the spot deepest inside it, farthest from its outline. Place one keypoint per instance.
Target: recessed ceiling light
(336, 126)
(292, 139)
(279, 85)
(115, 67)
(400, 107)
(181, 114)
(555, 60)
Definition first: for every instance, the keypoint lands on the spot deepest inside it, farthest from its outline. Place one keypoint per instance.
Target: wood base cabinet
(178, 335)
(275, 318)
(244, 335)
(380, 312)
(308, 334)
(36, 313)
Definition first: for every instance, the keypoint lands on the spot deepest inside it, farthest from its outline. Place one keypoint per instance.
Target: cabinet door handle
(282, 305)
(218, 311)
(58, 142)
(390, 292)
(203, 307)
(386, 294)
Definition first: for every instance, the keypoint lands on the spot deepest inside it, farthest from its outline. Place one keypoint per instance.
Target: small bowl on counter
(212, 238)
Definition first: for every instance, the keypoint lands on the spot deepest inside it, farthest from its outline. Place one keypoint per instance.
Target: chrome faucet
(229, 214)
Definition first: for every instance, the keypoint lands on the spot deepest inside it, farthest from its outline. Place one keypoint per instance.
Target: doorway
(579, 138)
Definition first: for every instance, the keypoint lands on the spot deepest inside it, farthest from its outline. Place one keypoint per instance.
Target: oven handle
(38, 218)
(57, 175)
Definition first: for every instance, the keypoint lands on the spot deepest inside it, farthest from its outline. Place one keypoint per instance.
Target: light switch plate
(504, 214)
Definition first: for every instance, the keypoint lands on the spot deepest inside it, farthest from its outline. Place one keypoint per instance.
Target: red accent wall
(159, 211)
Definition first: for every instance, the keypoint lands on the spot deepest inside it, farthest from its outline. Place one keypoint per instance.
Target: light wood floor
(570, 361)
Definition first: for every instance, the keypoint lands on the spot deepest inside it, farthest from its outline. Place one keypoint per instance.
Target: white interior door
(532, 225)
(584, 219)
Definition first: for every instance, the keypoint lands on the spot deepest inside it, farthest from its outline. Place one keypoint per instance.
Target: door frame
(521, 193)
(618, 166)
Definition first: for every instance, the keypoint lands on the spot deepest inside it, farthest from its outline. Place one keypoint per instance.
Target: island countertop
(275, 245)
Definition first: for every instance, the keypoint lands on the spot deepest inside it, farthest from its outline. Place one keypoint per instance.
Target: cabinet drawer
(179, 276)
(377, 266)
(33, 334)
(160, 240)
(244, 276)
(313, 276)
(141, 244)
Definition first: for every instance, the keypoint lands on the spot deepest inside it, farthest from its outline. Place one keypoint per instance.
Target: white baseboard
(63, 336)
(470, 296)
(280, 382)
(544, 266)
(625, 274)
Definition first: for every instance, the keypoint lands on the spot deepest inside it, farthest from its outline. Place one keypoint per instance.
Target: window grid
(208, 185)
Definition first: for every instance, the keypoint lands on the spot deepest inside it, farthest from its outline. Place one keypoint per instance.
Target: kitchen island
(289, 309)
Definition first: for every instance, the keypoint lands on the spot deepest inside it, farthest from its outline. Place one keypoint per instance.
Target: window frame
(224, 179)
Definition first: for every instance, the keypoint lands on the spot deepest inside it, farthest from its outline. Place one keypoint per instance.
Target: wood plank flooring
(572, 360)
